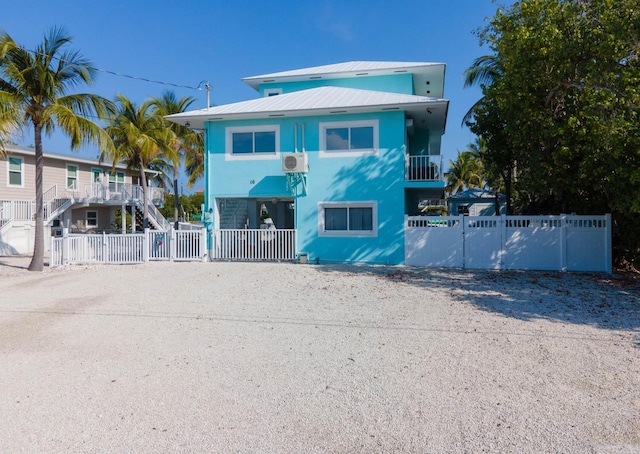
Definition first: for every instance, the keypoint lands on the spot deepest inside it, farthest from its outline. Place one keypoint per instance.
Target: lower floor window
(92, 219)
(347, 218)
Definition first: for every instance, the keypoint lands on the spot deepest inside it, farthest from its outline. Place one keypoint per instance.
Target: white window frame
(97, 171)
(113, 179)
(373, 204)
(21, 185)
(324, 153)
(272, 92)
(77, 177)
(86, 219)
(230, 156)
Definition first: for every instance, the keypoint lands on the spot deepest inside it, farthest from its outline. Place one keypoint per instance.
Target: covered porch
(254, 228)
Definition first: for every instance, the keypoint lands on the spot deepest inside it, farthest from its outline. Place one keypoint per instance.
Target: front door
(96, 182)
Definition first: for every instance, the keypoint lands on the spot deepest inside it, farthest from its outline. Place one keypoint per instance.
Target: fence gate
(129, 248)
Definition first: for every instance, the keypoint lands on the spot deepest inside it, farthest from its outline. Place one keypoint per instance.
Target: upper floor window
(15, 171)
(116, 180)
(354, 138)
(72, 177)
(348, 219)
(253, 142)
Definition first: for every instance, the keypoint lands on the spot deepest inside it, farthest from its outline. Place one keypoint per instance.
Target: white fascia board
(60, 157)
(342, 70)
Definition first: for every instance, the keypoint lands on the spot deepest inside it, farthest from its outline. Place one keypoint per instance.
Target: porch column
(133, 219)
(123, 212)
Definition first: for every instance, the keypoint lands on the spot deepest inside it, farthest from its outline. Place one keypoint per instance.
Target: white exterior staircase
(233, 213)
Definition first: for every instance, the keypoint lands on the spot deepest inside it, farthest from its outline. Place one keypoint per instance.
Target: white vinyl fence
(129, 248)
(564, 242)
(254, 244)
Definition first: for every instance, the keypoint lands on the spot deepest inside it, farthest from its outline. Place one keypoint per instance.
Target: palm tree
(186, 142)
(465, 172)
(141, 139)
(9, 116)
(36, 84)
(484, 71)
(194, 166)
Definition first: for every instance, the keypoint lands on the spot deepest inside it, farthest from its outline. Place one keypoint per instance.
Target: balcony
(424, 168)
(106, 192)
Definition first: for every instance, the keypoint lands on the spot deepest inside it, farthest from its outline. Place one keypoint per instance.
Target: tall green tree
(566, 109)
(36, 84)
(464, 172)
(185, 141)
(141, 139)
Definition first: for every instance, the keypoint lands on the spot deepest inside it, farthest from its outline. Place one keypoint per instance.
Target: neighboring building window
(92, 219)
(348, 218)
(253, 142)
(272, 92)
(354, 138)
(16, 170)
(72, 177)
(96, 175)
(116, 181)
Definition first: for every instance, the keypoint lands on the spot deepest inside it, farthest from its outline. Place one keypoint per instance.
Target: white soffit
(315, 101)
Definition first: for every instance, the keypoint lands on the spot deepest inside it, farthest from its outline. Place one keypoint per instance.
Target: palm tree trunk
(145, 207)
(37, 261)
(175, 197)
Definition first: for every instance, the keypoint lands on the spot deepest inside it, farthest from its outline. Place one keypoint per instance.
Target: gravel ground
(255, 357)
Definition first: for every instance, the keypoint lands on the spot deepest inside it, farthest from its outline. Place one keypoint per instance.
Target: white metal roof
(347, 69)
(17, 149)
(322, 101)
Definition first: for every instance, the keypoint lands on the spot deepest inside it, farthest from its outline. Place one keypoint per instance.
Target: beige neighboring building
(80, 194)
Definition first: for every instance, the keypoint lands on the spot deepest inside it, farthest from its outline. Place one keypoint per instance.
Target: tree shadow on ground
(610, 302)
(17, 262)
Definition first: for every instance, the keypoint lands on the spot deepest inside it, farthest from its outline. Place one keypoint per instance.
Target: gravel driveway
(256, 357)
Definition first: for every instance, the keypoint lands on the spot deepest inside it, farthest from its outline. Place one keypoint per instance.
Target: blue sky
(221, 41)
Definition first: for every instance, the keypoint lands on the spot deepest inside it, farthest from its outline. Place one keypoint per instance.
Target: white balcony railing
(121, 191)
(18, 210)
(424, 168)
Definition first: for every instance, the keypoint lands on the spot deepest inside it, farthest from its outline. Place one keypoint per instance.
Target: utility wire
(143, 79)
(113, 73)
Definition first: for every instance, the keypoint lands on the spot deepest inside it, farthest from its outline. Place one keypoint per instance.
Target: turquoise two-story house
(336, 156)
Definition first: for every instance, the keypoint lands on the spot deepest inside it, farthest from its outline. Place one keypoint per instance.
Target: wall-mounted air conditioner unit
(295, 163)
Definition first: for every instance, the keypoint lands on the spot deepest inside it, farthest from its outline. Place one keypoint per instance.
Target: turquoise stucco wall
(396, 83)
(334, 179)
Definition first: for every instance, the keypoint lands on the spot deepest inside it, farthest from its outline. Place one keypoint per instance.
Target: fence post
(65, 246)
(462, 245)
(203, 244)
(173, 245)
(563, 243)
(145, 246)
(105, 248)
(503, 240)
(607, 244)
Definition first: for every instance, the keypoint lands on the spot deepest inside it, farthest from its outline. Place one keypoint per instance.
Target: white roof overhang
(27, 151)
(423, 73)
(426, 112)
